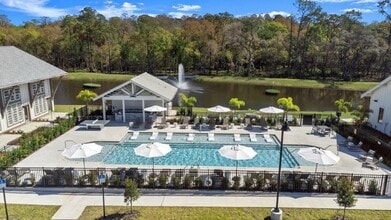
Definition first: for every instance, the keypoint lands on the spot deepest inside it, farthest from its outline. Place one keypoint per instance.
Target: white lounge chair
(237, 137)
(268, 138)
(211, 137)
(134, 135)
(253, 137)
(190, 137)
(154, 136)
(169, 136)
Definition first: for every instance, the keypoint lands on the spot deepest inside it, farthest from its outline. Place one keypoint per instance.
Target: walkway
(73, 201)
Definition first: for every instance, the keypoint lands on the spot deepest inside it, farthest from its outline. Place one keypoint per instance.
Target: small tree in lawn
(86, 96)
(345, 197)
(236, 102)
(188, 102)
(131, 193)
(342, 106)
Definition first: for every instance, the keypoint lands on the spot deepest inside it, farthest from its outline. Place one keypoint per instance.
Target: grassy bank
(93, 77)
(95, 212)
(355, 86)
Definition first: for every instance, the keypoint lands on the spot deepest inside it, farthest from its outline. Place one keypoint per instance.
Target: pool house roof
(18, 67)
(370, 92)
(142, 85)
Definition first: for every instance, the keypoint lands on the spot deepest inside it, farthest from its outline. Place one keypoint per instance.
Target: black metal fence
(193, 178)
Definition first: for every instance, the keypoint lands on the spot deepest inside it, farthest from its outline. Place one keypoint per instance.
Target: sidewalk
(74, 200)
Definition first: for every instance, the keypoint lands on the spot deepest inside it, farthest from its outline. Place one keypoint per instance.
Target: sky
(20, 11)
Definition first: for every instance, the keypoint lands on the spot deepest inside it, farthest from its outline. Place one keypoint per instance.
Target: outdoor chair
(354, 147)
(169, 136)
(263, 124)
(185, 123)
(196, 124)
(190, 137)
(374, 165)
(211, 137)
(237, 138)
(253, 137)
(212, 124)
(135, 135)
(225, 125)
(153, 136)
(268, 138)
(247, 124)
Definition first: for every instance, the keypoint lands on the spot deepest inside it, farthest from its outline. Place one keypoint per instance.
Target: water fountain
(181, 84)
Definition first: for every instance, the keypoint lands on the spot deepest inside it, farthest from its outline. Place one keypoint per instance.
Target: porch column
(143, 104)
(164, 112)
(104, 108)
(123, 111)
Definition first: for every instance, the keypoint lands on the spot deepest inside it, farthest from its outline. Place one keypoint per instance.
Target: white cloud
(274, 13)
(362, 10)
(366, 1)
(182, 7)
(179, 14)
(111, 10)
(35, 7)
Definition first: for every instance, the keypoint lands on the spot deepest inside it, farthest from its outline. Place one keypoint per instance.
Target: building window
(15, 96)
(15, 114)
(40, 105)
(380, 116)
(37, 89)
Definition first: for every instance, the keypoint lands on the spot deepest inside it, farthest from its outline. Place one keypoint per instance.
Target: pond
(210, 94)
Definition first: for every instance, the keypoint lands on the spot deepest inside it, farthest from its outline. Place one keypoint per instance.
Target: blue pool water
(201, 152)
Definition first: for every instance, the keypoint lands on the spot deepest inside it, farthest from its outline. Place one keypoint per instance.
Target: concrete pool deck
(50, 154)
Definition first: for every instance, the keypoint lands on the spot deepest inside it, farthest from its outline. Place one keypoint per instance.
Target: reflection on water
(220, 93)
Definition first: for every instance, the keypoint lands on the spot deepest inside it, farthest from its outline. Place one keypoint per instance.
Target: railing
(194, 178)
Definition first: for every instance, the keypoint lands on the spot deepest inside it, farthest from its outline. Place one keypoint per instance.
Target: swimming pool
(201, 152)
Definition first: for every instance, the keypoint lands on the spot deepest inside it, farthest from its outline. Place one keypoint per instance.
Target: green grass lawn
(95, 212)
(356, 86)
(66, 108)
(93, 77)
(28, 212)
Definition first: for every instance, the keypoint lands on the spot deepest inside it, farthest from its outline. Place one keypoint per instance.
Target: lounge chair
(247, 124)
(185, 123)
(154, 136)
(225, 125)
(211, 137)
(134, 135)
(253, 137)
(196, 123)
(237, 137)
(268, 138)
(374, 165)
(169, 136)
(190, 137)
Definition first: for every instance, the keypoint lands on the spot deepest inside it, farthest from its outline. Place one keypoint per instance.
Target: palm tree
(342, 106)
(188, 102)
(86, 96)
(236, 102)
(361, 115)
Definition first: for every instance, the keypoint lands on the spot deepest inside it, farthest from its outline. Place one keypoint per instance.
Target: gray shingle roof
(18, 67)
(149, 83)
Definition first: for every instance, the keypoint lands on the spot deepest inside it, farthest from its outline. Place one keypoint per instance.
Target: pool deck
(50, 154)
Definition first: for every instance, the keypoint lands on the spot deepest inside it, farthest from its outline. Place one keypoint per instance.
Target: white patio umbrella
(155, 108)
(219, 109)
(271, 110)
(82, 151)
(318, 156)
(237, 152)
(152, 150)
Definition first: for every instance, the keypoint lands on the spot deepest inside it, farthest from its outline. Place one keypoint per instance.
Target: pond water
(210, 94)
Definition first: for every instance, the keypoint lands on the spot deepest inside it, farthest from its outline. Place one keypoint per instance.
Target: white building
(128, 100)
(25, 91)
(380, 104)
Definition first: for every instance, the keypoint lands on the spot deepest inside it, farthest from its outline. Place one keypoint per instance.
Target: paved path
(74, 200)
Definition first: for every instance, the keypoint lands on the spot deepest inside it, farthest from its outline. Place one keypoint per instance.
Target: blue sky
(19, 11)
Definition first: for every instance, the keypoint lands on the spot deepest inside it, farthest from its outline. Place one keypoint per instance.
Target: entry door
(26, 113)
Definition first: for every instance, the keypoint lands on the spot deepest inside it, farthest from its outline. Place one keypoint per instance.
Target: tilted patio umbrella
(318, 156)
(271, 110)
(152, 150)
(155, 108)
(219, 109)
(82, 151)
(237, 152)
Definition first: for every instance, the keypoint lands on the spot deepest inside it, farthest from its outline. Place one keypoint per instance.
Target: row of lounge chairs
(211, 137)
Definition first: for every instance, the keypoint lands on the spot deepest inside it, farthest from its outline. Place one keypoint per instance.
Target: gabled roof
(370, 92)
(149, 83)
(18, 67)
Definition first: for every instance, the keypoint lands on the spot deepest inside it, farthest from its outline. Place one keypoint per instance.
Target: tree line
(311, 44)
